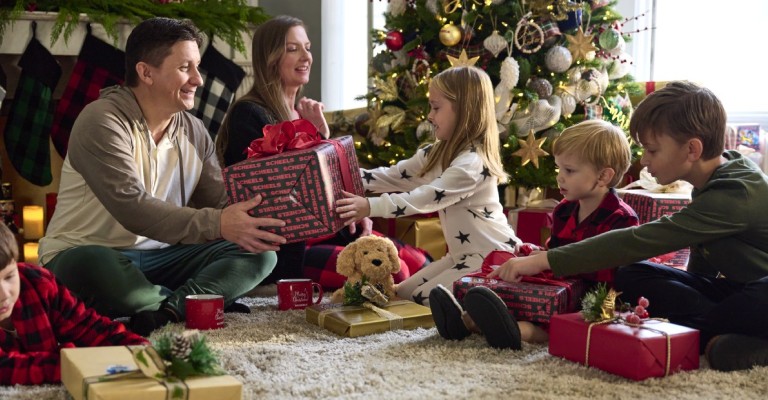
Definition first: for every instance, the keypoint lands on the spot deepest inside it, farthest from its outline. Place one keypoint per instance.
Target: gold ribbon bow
(395, 321)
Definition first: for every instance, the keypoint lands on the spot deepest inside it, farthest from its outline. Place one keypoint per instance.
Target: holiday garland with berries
(552, 63)
(224, 19)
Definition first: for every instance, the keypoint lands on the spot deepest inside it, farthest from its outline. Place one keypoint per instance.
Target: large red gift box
(655, 349)
(299, 187)
(651, 206)
(535, 298)
(531, 225)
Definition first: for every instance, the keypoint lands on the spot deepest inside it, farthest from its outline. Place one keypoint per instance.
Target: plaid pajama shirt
(99, 65)
(47, 318)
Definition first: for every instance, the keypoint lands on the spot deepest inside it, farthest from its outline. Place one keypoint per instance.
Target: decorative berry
(633, 319)
(640, 310)
(644, 315)
(642, 301)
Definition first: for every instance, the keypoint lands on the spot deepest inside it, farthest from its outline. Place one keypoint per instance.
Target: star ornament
(463, 60)
(580, 45)
(530, 150)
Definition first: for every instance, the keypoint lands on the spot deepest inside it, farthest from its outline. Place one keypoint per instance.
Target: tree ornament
(558, 59)
(394, 40)
(509, 74)
(568, 103)
(420, 69)
(450, 35)
(530, 149)
(495, 43)
(620, 47)
(580, 45)
(432, 6)
(362, 123)
(528, 36)
(609, 39)
(425, 128)
(538, 116)
(463, 60)
(397, 7)
(542, 87)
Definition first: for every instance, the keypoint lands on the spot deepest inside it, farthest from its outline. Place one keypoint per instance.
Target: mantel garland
(225, 19)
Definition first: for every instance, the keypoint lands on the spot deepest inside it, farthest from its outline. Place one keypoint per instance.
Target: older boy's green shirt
(725, 225)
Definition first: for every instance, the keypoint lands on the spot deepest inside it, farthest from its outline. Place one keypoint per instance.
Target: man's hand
(312, 111)
(515, 268)
(239, 227)
(353, 208)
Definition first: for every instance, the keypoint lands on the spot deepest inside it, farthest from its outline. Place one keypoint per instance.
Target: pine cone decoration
(181, 346)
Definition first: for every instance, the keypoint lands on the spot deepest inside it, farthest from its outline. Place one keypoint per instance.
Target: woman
(282, 61)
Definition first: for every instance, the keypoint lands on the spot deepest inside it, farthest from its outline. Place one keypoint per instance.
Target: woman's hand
(312, 111)
(352, 208)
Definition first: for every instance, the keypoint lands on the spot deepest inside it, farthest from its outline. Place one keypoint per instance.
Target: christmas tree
(553, 64)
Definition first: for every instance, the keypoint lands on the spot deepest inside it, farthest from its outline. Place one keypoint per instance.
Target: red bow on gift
(288, 135)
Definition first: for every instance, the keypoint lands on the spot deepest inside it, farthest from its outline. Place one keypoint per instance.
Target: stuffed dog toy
(374, 257)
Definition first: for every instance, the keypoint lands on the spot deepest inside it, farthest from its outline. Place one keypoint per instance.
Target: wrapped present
(531, 225)
(535, 298)
(649, 87)
(651, 349)
(353, 321)
(649, 206)
(300, 177)
(423, 233)
(85, 372)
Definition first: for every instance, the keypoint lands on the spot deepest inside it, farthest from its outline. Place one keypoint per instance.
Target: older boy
(724, 292)
(39, 317)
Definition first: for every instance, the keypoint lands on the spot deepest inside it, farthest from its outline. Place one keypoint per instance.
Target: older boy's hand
(516, 268)
(352, 208)
(239, 227)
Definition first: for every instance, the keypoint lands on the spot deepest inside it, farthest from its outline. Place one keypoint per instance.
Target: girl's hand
(312, 111)
(366, 224)
(352, 208)
(515, 268)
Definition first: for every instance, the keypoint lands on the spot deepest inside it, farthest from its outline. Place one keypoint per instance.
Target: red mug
(205, 311)
(295, 294)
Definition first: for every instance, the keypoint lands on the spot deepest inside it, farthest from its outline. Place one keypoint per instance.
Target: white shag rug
(278, 355)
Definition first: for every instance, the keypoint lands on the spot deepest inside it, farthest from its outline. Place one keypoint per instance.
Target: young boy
(592, 158)
(724, 292)
(38, 317)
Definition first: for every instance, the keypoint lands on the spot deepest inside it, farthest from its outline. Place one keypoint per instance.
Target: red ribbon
(498, 257)
(288, 135)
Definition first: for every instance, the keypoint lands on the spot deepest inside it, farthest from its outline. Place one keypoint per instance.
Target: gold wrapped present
(424, 233)
(90, 363)
(368, 319)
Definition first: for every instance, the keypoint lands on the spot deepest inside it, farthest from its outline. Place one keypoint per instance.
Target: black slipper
(237, 308)
(446, 312)
(493, 318)
(734, 352)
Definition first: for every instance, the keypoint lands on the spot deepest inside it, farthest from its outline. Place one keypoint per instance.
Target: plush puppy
(374, 257)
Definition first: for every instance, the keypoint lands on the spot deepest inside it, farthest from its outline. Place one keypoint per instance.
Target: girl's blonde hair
(470, 92)
(267, 48)
(599, 143)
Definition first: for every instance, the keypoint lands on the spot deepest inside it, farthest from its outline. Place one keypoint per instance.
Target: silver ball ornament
(558, 59)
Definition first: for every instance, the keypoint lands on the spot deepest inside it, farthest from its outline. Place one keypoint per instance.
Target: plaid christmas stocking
(29, 122)
(99, 65)
(221, 79)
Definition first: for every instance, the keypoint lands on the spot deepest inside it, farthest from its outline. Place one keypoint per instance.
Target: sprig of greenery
(201, 361)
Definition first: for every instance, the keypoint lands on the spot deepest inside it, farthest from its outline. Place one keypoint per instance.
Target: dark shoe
(146, 322)
(493, 318)
(446, 312)
(237, 308)
(734, 352)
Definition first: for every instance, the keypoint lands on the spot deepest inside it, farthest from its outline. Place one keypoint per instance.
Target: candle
(33, 222)
(30, 252)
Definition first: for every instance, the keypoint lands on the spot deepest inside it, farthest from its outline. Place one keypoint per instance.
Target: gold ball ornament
(450, 35)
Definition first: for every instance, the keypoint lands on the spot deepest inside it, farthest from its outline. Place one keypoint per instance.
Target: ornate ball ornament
(450, 35)
(495, 43)
(542, 87)
(620, 47)
(558, 59)
(609, 39)
(394, 40)
(569, 103)
(423, 129)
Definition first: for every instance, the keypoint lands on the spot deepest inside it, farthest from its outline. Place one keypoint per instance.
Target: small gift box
(368, 319)
(635, 351)
(535, 298)
(300, 176)
(85, 372)
(423, 233)
(531, 225)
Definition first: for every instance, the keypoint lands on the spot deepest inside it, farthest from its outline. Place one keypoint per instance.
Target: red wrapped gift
(300, 177)
(651, 206)
(535, 298)
(653, 349)
(531, 225)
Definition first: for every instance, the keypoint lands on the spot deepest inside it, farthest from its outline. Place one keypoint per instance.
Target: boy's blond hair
(682, 110)
(9, 249)
(470, 92)
(599, 143)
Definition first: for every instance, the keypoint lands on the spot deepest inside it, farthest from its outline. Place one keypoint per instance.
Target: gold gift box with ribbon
(353, 321)
(78, 364)
(424, 233)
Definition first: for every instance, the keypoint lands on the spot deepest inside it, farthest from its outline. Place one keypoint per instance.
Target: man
(141, 212)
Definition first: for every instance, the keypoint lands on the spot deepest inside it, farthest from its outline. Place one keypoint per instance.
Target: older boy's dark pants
(119, 283)
(714, 306)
